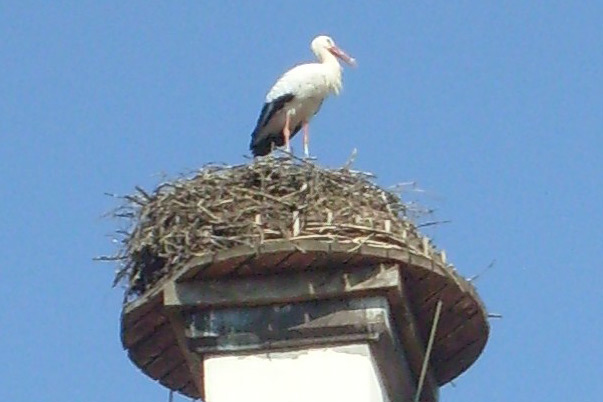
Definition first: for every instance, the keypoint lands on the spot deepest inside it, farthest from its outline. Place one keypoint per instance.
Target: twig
(434, 327)
(432, 223)
(477, 276)
(350, 160)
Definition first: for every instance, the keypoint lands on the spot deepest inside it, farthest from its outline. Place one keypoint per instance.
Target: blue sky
(494, 108)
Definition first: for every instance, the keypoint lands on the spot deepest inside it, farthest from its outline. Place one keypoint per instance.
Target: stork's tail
(262, 144)
(260, 148)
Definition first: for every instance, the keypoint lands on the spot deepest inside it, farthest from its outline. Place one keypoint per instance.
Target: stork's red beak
(337, 52)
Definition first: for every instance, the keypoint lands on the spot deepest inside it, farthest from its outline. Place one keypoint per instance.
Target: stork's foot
(310, 158)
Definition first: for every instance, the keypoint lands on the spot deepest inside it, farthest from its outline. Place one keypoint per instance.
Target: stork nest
(220, 207)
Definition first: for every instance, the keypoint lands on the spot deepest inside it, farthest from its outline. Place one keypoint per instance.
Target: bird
(297, 96)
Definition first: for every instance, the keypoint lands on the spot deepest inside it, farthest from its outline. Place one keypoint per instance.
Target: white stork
(296, 98)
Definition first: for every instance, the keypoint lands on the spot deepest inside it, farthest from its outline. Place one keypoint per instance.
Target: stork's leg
(287, 132)
(306, 139)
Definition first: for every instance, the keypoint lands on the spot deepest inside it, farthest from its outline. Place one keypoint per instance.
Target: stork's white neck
(332, 69)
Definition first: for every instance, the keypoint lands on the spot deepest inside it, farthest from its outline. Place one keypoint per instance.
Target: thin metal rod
(434, 327)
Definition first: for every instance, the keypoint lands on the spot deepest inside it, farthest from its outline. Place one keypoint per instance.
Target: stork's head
(322, 45)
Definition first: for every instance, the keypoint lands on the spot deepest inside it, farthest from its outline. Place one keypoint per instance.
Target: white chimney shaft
(330, 374)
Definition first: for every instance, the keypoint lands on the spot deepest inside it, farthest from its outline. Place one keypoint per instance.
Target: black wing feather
(261, 143)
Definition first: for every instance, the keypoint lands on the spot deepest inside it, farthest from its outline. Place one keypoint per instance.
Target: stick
(351, 159)
(475, 277)
(434, 327)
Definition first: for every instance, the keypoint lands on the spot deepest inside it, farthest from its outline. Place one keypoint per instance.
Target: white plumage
(296, 98)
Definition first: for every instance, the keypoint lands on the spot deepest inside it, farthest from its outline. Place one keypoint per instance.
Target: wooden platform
(463, 329)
